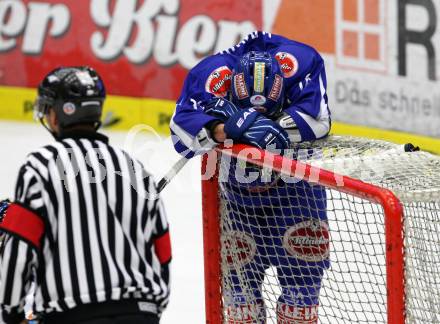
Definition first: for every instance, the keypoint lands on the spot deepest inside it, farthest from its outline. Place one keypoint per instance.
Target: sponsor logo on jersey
(240, 86)
(69, 108)
(288, 64)
(219, 81)
(260, 109)
(277, 86)
(258, 100)
(259, 74)
(308, 240)
(240, 248)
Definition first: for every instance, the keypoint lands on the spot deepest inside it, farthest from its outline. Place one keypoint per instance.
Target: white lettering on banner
(119, 27)
(40, 14)
(156, 22)
(404, 105)
(188, 35)
(13, 23)
(228, 31)
(163, 50)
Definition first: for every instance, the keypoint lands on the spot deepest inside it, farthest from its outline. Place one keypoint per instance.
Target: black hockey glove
(220, 108)
(250, 127)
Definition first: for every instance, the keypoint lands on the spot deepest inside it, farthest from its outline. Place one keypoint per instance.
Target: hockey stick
(179, 164)
(171, 174)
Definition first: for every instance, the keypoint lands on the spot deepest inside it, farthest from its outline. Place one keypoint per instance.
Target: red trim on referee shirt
(162, 247)
(23, 223)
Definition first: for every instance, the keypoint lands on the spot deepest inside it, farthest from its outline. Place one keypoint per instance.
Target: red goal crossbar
(391, 205)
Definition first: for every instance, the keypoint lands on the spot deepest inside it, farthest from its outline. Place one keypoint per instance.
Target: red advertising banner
(142, 48)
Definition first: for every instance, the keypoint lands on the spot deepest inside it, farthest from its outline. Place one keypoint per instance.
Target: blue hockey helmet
(258, 82)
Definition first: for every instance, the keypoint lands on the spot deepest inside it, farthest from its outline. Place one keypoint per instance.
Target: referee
(86, 225)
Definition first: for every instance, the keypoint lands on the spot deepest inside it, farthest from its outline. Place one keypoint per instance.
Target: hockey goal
(348, 223)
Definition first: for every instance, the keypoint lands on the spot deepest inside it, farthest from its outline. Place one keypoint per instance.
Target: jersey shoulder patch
(288, 63)
(295, 58)
(218, 82)
(214, 74)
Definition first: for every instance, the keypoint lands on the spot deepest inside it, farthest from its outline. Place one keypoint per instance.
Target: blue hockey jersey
(285, 222)
(305, 87)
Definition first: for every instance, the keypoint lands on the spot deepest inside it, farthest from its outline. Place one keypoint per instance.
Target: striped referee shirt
(87, 227)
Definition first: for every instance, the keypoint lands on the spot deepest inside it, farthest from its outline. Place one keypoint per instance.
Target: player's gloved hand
(221, 108)
(250, 127)
(4, 205)
(288, 124)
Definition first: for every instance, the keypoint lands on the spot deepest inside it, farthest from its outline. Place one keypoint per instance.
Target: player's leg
(243, 302)
(244, 269)
(302, 255)
(300, 285)
(242, 283)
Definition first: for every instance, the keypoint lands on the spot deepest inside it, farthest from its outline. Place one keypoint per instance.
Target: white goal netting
(289, 245)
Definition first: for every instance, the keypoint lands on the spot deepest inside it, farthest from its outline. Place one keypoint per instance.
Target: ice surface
(353, 291)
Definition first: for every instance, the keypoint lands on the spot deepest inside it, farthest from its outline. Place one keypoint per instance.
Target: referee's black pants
(124, 319)
(109, 312)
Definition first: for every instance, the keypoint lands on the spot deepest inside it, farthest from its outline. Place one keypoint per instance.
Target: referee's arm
(162, 246)
(159, 237)
(24, 228)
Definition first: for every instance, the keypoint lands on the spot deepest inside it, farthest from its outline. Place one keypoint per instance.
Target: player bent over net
(267, 91)
(354, 252)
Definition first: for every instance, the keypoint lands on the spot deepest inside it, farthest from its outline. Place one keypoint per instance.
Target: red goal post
(393, 223)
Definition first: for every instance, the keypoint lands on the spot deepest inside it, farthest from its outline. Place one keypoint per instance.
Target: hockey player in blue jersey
(269, 92)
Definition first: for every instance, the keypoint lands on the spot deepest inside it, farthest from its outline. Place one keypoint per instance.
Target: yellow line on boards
(16, 104)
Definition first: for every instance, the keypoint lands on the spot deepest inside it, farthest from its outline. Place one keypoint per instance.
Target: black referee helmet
(76, 94)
